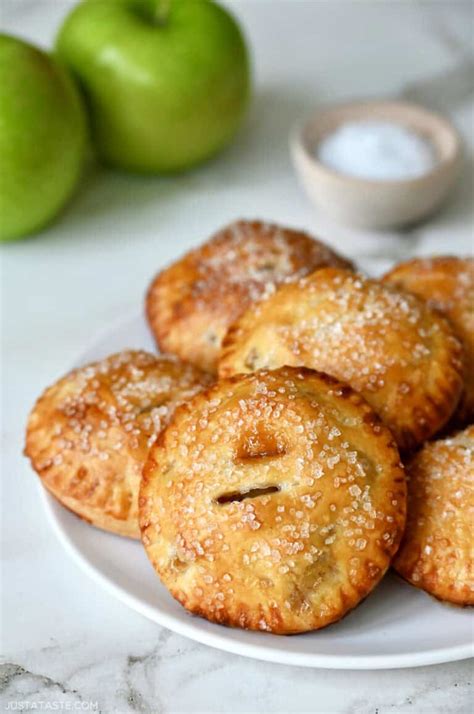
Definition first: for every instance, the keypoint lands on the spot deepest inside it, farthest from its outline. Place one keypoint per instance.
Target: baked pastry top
(89, 434)
(447, 284)
(388, 345)
(437, 552)
(191, 304)
(273, 501)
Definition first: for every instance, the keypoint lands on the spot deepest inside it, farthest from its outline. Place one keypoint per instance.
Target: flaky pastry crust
(273, 501)
(437, 551)
(89, 434)
(389, 346)
(447, 284)
(191, 304)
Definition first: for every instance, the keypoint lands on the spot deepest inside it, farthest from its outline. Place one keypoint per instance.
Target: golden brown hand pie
(191, 304)
(89, 434)
(447, 283)
(389, 346)
(273, 501)
(437, 552)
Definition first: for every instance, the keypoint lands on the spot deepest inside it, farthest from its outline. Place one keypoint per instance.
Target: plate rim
(189, 626)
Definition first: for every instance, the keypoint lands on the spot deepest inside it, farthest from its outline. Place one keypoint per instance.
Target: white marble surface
(65, 640)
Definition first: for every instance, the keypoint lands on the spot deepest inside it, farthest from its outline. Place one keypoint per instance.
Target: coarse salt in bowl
(376, 164)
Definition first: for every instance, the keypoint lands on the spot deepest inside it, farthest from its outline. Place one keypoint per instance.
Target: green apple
(166, 81)
(43, 137)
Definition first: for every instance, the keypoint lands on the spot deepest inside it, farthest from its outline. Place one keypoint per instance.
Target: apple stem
(162, 11)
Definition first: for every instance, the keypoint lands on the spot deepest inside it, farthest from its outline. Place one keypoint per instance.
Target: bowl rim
(299, 148)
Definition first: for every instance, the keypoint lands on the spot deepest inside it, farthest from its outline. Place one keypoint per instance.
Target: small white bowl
(368, 203)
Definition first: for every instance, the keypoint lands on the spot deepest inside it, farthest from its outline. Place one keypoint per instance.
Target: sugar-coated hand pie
(191, 304)
(89, 434)
(264, 458)
(437, 552)
(275, 501)
(447, 285)
(390, 346)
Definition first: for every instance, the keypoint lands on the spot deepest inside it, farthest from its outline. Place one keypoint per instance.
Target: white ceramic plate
(397, 626)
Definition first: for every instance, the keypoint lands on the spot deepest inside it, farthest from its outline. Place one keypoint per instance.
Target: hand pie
(191, 304)
(273, 501)
(389, 346)
(447, 284)
(437, 552)
(89, 434)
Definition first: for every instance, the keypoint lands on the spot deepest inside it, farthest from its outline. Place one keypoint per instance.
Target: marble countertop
(66, 643)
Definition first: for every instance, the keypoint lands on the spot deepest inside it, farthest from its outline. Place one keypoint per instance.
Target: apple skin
(165, 92)
(43, 138)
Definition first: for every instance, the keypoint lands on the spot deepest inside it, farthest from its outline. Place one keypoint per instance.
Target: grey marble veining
(175, 676)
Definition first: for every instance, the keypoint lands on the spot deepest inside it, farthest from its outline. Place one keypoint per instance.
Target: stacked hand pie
(191, 305)
(389, 346)
(261, 459)
(447, 285)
